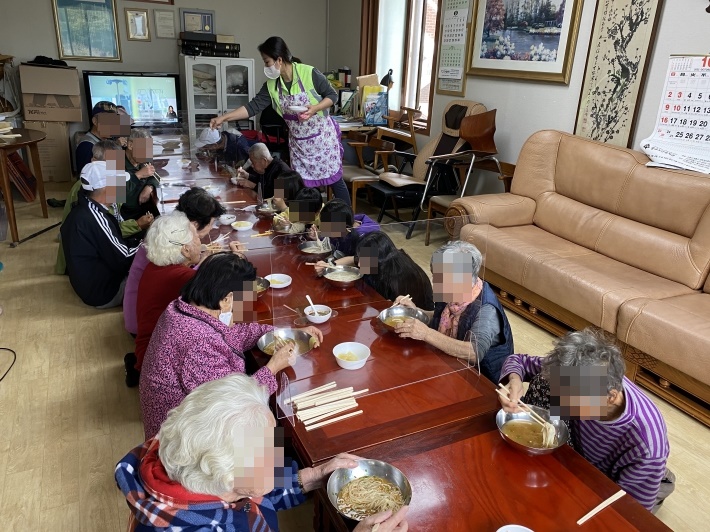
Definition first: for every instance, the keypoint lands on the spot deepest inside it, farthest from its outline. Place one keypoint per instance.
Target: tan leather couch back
(604, 198)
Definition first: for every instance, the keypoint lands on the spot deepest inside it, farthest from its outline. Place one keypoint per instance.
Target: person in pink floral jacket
(197, 340)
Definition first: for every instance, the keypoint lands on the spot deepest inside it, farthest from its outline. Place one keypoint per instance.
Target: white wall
(27, 30)
(344, 35)
(525, 106)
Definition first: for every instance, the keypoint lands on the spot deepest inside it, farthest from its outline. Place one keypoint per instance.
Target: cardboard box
(50, 94)
(54, 151)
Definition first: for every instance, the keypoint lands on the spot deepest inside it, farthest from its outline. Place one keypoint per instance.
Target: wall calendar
(451, 76)
(681, 136)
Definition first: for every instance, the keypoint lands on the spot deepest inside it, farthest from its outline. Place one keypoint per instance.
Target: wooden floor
(66, 416)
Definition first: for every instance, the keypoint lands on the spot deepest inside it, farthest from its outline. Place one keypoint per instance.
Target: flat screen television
(147, 97)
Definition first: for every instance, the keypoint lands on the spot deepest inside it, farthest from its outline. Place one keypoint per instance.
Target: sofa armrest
(499, 210)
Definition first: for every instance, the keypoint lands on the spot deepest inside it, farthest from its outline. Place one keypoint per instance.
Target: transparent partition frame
(355, 317)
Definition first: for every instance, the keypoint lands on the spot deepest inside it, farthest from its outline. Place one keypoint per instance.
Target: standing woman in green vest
(303, 97)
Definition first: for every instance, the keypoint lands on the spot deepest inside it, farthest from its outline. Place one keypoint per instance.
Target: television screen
(148, 98)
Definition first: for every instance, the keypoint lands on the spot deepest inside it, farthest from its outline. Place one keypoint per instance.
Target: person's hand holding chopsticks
(284, 356)
(320, 267)
(385, 522)
(237, 248)
(404, 301)
(515, 392)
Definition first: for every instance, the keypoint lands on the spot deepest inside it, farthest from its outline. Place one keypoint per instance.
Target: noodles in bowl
(365, 496)
(371, 487)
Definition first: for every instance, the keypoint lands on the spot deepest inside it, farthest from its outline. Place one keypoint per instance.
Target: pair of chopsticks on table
(314, 407)
(265, 233)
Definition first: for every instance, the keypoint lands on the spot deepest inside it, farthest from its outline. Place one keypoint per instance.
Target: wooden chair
(431, 162)
(400, 129)
(359, 176)
(479, 132)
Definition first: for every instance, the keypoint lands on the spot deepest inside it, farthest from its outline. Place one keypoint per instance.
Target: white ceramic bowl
(361, 351)
(278, 280)
(242, 225)
(513, 528)
(227, 219)
(317, 318)
(298, 108)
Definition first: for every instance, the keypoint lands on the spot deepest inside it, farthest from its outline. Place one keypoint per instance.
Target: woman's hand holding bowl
(314, 477)
(316, 333)
(305, 115)
(412, 328)
(386, 520)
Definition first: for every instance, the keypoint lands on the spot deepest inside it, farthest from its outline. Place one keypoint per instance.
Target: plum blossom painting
(618, 55)
(526, 39)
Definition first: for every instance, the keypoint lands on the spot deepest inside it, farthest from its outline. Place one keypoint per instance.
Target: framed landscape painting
(524, 39)
(87, 30)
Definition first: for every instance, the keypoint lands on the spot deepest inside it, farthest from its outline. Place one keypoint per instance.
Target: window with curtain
(406, 41)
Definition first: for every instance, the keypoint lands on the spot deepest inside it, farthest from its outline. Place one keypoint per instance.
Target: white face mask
(226, 318)
(272, 72)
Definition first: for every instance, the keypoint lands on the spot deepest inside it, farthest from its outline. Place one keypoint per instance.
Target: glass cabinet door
(236, 83)
(205, 86)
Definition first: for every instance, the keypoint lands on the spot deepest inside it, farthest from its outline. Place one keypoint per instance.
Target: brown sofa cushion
(676, 331)
(588, 284)
(605, 198)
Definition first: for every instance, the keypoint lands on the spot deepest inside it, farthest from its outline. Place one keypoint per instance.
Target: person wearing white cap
(98, 256)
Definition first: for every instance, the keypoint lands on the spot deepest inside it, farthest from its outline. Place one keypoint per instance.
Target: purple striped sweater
(631, 450)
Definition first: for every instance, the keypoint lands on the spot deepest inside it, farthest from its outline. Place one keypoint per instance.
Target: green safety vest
(302, 72)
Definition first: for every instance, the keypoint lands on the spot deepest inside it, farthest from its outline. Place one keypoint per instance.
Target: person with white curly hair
(173, 247)
(218, 464)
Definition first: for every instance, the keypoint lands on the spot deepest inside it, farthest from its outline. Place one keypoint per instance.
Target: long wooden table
(425, 412)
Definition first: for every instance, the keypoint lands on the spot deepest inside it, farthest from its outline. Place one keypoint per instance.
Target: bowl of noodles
(300, 339)
(521, 432)
(342, 277)
(351, 355)
(393, 316)
(372, 487)
(315, 250)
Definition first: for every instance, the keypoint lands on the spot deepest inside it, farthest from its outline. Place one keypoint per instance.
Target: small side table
(28, 138)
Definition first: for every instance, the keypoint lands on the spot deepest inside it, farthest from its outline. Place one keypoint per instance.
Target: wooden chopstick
(292, 310)
(232, 202)
(334, 420)
(400, 301)
(618, 495)
(263, 234)
(312, 392)
(313, 412)
(534, 415)
(313, 420)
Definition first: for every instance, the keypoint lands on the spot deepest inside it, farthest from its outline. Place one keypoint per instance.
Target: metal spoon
(312, 305)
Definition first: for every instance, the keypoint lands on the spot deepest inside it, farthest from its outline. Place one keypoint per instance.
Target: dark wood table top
(26, 138)
(413, 388)
(425, 412)
(464, 479)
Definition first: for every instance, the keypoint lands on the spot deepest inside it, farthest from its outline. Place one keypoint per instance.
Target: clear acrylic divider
(395, 361)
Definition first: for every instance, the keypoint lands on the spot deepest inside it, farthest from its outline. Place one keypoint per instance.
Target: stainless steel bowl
(262, 285)
(266, 210)
(562, 433)
(314, 246)
(402, 312)
(367, 468)
(304, 341)
(342, 284)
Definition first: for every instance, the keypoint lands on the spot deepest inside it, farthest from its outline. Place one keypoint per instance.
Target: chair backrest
(449, 140)
(479, 131)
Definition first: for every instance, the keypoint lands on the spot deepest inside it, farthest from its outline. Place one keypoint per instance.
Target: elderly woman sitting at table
(613, 424)
(468, 321)
(218, 464)
(197, 340)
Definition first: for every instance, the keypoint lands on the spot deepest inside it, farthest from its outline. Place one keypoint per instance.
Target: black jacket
(98, 257)
(274, 170)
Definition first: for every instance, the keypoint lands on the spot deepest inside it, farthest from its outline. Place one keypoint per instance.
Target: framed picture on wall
(619, 51)
(166, 2)
(164, 24)
(196, 20)
(137, 25)
(524, 40)
(77, 39)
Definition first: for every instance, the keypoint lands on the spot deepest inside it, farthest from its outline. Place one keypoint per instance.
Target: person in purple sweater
(613, 424)
(202, 336)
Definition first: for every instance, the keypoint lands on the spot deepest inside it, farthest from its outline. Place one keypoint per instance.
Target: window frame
(368, 53)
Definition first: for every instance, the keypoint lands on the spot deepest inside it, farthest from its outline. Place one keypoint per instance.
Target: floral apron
(316, 150)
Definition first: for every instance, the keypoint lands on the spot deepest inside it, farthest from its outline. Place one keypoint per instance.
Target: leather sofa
(589, 235)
